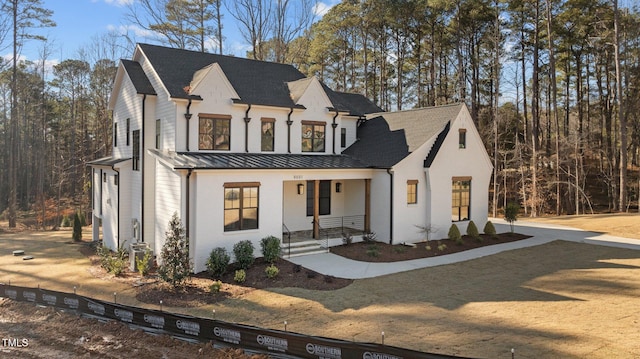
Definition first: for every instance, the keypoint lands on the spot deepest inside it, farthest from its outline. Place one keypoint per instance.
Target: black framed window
(241, 206)
(343, 137)
(214, 132)
(136, 150)
(115, 134)
(324, 197)
(158, 129)
(128, 130)
(267, 134)
(313, 136)
(460, 199)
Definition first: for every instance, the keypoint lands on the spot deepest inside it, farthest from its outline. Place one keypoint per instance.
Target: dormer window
(214, 132)
(313, 136)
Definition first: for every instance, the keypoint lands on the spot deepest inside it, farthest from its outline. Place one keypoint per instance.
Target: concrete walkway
(337, 266)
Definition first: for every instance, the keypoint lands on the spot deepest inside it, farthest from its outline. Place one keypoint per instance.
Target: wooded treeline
(553, 85)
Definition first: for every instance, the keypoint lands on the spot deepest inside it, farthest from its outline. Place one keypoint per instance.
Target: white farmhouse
(243, 149)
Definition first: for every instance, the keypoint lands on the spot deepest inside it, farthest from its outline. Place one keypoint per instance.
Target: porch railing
(322, 232)
(346, 224)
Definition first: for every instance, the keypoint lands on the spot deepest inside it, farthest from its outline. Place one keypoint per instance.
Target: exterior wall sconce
(300, 188)
(338, 187)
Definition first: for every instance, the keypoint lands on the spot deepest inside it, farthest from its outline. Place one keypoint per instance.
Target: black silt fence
(276, 343)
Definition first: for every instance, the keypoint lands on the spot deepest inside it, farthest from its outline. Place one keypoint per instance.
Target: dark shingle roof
(256, 82)
(193, 160)
(377, 145)
(138, 77)
(358, 104)
(387, 138)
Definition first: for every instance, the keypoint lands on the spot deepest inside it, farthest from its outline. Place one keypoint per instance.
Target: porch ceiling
(192, 160)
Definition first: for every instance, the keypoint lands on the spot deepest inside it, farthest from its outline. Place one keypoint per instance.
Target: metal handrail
(288, 233)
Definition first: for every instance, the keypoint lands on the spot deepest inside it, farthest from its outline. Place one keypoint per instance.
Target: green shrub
(427, 247)
(272, 271)
(489, 229)
(144, 264)
(218, 262)
(511, 213)
(240, 276)
(373, 250)
(399, 248)
(243, 251)
(176, 266)
(113, 262)
(454, 233)
(442, 247)
(215, 287)
(270, 248)
(472, 231)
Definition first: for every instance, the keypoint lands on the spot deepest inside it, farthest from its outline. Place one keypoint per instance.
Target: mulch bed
(384, 252)
(197, 291)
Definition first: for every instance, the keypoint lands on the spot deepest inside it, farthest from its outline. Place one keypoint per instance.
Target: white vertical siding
(168, 201)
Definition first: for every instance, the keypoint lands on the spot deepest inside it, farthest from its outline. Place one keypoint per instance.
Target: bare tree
(255, 19)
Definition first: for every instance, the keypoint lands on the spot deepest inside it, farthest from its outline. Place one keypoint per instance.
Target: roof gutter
(187, 116)
(390, 172)
(247, 119)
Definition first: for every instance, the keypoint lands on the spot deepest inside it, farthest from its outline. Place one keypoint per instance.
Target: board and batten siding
(168, 200)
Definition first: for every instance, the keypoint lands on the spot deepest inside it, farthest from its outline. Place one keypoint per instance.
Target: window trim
(158, 133)
(313, 139)
(462, 138)
(214, 118)
(241, 186)
(412, 184)
(135, 158)
(273, 134)
(468, 205)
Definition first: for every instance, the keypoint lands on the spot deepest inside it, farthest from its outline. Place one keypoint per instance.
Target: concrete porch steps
(302, 248)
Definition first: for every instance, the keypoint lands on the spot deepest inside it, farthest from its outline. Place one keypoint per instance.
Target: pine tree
(176, 266)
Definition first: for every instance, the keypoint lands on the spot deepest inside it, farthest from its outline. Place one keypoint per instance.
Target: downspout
(118, 172)
(187, 116)
(390, 205)
(142, 155)
(247, 119)
(188, 205)
(289, 123)
(334, 125)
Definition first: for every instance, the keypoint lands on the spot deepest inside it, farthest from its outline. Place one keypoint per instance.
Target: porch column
(316, 209)
(367, 205)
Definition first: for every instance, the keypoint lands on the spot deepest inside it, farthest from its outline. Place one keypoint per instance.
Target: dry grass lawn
(616, 224)
(557, 300)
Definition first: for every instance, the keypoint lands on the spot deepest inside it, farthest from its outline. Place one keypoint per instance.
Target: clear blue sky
(79, 21)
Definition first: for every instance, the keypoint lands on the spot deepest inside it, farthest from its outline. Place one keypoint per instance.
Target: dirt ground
(560, 299)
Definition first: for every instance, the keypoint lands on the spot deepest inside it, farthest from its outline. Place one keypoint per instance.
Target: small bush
(311, 274)
(243, 251)
(489, 229)
(511, 213)
(373, 251)
(347, 238)
(271, 271)
(270, 248)
(240, 276)
(454, 233)
(218, 262)
(442, 247)
(427, 247)
(472, 231)
(215, 287)
(113, 262)
(144, 264)
(399, 249)
(176, 266)
(77, 228)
